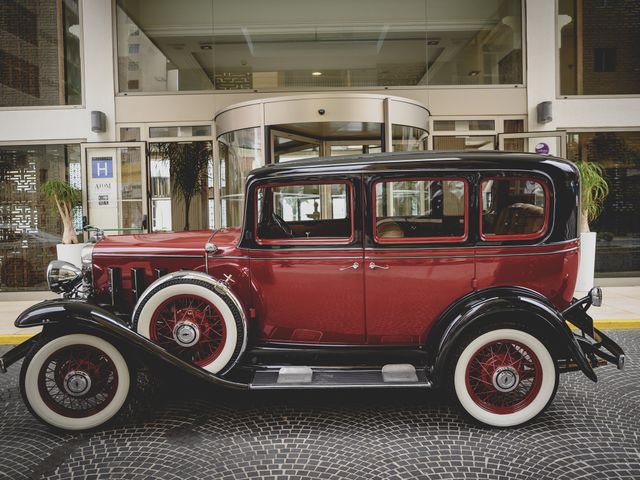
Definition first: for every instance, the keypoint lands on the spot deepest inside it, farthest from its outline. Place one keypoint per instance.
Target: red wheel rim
(491, 372)
(199, 314)
(78, 381)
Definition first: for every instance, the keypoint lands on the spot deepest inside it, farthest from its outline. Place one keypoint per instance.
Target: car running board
(301, 377)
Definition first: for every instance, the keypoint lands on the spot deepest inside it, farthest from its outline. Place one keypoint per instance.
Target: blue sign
(101, 167)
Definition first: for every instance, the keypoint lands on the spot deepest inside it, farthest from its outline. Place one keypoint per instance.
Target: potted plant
(65, 197)
(594, 191)
(188, 164)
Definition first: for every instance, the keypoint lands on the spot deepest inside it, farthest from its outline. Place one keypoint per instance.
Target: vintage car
(405, 270)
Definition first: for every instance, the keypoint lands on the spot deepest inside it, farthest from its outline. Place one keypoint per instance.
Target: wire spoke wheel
(78, 381)
(503, 376)
(190, 327)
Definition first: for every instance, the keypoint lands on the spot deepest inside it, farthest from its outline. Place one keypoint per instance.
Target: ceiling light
(474, 73)
(206, 46)
(433, 42)
(316, 74)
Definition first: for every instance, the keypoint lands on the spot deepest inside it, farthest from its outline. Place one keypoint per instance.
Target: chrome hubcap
(505, 379)
(77, 383)
(186, 334)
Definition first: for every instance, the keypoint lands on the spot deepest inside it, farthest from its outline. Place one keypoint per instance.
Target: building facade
(255, 82)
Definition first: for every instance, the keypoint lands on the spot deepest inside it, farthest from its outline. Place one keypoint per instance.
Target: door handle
(354, 265)
(373, 266)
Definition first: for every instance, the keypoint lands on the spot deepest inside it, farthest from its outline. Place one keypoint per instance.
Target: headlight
(63, 276)
(87, 256)
(596, 296)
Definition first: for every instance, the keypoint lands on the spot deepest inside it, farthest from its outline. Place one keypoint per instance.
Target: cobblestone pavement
(189, 431)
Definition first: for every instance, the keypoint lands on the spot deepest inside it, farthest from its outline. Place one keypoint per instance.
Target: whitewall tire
(505, 377)
(192, 321)
(75, 382)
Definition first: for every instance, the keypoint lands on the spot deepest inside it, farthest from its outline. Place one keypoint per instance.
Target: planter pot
(70, 253)
(586, 268)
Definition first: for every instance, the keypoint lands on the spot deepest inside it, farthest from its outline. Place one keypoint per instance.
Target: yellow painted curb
(627, 324)
(617, 324)
(14, 338)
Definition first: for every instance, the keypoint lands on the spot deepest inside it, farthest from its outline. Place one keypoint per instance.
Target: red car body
(411, 270)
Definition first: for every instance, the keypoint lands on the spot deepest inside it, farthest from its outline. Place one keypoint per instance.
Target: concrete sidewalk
(620, 309)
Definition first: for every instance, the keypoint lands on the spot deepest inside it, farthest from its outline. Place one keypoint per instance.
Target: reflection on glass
(618, 227)
(130, 186)
(420, 209)
(304, 211)
(258, 45)
(160, 191)
(598, 47)
(408, 139)
(240, 152)
(337, 150)
(288, 147)
(464, 142)
(30, 228)
(39, 53)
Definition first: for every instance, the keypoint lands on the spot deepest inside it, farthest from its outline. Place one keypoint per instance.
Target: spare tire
(194, 317)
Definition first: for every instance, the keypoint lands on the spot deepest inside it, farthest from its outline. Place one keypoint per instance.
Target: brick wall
(612, 24)
(29, 53)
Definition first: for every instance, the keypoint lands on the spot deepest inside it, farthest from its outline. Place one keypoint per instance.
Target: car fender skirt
(71, 316)
(510, 303)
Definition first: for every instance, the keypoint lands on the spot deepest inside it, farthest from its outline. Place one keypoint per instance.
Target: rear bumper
(597, 347)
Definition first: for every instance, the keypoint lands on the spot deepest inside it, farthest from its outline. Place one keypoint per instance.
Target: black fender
(478, 308)
(81, 316)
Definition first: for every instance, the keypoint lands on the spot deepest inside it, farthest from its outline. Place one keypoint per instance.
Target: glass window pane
(240, 152)
(30, 227)
(463, 125)
(257, 45)
(513, 207)
(598, 47)
(308, 211)
(618, 226)
(182, 131)
(420, 209)
(408, 139)
(464, 142)
(39, 53)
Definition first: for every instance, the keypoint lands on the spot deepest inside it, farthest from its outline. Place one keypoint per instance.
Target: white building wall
(74, 122)
(573, 112)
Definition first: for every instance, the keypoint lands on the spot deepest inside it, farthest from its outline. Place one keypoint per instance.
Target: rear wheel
(504, 377)
(75, 382)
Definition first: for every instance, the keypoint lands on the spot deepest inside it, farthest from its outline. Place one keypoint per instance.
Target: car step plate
(299, 377)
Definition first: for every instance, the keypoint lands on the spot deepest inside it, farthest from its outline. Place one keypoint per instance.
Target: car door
(306, 268)
(418, 259)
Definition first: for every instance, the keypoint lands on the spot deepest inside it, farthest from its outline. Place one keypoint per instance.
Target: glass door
(114, 186)
(286, 147)
(545, 143)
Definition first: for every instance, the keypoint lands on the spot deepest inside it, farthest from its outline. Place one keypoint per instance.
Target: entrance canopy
(272, 130)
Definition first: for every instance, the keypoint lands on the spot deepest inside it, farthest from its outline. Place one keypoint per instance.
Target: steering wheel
(282, 225)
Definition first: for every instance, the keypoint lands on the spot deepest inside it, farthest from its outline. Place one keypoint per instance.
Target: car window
(419, 210)
(513, 207)
(304, 211)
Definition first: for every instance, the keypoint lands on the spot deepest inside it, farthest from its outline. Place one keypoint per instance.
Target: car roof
(445, 160)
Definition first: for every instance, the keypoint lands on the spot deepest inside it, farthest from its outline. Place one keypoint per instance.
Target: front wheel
(504, 377)
(75, 382)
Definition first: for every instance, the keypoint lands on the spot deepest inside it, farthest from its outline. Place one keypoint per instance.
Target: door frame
(560, 134)
(84, 171)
